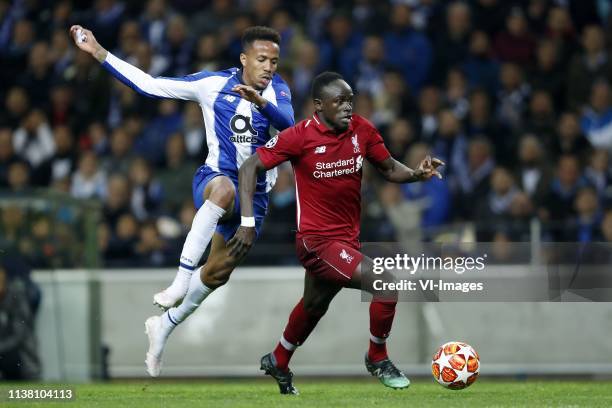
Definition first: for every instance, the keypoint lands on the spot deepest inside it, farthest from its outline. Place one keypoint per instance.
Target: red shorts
(328, 259)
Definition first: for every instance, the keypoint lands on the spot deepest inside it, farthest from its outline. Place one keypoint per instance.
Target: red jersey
(327, 168)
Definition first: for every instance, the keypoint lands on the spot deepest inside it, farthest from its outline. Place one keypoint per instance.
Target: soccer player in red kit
(327, 153)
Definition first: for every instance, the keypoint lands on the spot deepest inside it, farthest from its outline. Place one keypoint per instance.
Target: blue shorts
(228, 227)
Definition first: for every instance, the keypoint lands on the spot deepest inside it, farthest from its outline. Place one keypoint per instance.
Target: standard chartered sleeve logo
(272, 142)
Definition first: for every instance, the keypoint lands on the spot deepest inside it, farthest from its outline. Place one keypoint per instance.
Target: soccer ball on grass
(455, 365)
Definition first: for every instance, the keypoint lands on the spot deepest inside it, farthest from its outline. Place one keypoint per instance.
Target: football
(455, 365)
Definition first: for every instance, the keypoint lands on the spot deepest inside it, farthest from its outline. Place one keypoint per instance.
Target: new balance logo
(320, 149)
(346, 256)
(229, 98)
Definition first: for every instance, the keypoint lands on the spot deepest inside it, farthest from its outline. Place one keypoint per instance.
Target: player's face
(259, 63)
(336, 105)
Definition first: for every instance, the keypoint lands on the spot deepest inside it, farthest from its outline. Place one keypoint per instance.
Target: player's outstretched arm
(396, 172)
(281, 116)
(140, 81)
(244, 238)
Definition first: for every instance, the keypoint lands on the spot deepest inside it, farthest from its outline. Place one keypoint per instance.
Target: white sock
(377, 340)
(195, 296)
(200, 235)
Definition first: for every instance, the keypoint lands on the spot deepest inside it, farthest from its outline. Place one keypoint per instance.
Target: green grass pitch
(326, 393)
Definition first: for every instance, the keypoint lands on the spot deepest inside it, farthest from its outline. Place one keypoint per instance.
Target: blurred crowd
(514, 95)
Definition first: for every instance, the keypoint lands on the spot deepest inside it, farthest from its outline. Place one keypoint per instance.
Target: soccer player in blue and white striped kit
(242, 108)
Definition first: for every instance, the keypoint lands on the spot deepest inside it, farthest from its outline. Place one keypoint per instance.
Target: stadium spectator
(62, 164)
(117, 201)
(371, 69)
(33, 140)
(17, 106)
(596, 120)
(150, 249)
(89, 181)
(560, 29)
(207, 54)
(515, 43)
(512, 98)
(192, 127)
(340, 50)
(407, 50)
(432, 197)
(403, 215)
(452, 43)
(495, 209)
(587, 67)
(481, 69)
(175, 177)
(548, 74)
(7, 155)
(451, 144)
(430, 103)
(481, 123)
(19, 177)
(533, 174)
(570, 139)
(399, 137)
(120, 244)
(19, 360)
(151, 144)
(456, 95)
(147, 193)
(153, 23)
(471, 179)
(395, 100)
(558, 204)
(540, 118)
(38, 75)
(304, 71)
(587, 224)
(598, 174)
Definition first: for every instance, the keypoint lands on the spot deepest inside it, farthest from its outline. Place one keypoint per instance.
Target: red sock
(299, 327)
(377, 352)
(381, 320)
(282, 356)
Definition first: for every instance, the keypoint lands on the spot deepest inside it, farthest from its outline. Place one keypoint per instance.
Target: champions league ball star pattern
(455, 365)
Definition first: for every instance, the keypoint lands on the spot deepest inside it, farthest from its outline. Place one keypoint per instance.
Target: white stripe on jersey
(214, 85)
(243, 150)
(271, 175)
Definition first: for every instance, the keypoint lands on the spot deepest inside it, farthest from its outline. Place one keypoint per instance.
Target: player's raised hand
(241, 242)
(429, 168)
(84, 39)
(250, 94)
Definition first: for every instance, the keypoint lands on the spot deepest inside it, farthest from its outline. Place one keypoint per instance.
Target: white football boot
(157, 341)
(173, 294)
(166, 299)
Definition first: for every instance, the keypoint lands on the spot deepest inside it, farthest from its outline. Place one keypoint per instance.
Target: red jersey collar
(324, 129)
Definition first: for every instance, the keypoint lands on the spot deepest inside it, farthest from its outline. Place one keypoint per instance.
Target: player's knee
(223, 193)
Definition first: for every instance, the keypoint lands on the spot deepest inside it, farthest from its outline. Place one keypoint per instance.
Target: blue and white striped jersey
(234, 127)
